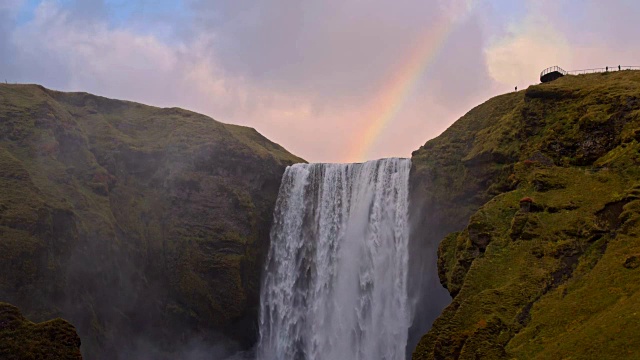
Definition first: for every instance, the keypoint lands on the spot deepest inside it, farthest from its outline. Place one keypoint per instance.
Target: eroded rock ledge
(20, 339)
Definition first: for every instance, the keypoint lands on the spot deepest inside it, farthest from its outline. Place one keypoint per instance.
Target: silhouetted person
(516, 88)
(618, 67)
(606, 69)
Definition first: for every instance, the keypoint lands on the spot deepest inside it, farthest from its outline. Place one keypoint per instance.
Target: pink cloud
(317, 125)
(309, 80)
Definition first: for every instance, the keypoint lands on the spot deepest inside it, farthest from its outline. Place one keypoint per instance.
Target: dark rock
(544, 182)
(523, 226)
(632, 262)
(525, 204)
(21, 339)
(542, 159)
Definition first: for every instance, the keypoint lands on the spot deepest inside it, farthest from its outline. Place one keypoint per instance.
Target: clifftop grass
(558, 278)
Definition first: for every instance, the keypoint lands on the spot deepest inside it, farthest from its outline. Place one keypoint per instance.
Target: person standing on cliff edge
(618, 67)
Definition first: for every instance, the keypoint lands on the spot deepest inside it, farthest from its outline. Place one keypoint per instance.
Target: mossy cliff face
(132, 221)
(540, 193)
(21, 339)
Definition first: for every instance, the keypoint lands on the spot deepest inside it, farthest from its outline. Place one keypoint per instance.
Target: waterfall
(335, 285)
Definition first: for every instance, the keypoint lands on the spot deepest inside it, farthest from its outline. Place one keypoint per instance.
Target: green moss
(21, 339)
(108, 199)
(548, 280)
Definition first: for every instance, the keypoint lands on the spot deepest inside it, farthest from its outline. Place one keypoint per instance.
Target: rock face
(539, 192)
(21, 339)
(144, 227)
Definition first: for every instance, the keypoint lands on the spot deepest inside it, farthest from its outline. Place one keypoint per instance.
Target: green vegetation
(21, 339)
(558, 278)
(130, 219)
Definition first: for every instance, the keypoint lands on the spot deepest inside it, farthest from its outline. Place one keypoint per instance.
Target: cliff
(20, 339)
(129, 220)
(539, 192)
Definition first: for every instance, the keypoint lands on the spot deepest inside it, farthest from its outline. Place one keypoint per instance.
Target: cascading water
(336, 280)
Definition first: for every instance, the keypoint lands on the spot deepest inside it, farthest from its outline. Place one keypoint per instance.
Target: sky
(330, 80)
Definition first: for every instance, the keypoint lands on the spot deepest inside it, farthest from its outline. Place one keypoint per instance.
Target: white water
(336, 279)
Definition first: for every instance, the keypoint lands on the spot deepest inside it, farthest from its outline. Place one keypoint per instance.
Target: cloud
(603, 34)
(526, 50)
(8, 12)
(67, 53)
(572, 34)
(305, 80)
(11, 5)
(339, 48)
(307, 75)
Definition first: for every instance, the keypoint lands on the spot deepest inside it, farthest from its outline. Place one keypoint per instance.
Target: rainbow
(399, 87)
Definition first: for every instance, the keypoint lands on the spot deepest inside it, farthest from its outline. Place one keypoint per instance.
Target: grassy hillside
(128, 219)
(20, 339)
(555, 275)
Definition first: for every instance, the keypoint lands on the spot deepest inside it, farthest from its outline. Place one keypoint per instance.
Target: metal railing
(552, 69)
(587, 71)
(604, 69)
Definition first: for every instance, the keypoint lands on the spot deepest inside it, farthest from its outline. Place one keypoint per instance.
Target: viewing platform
(552, 73)
(555, 72)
